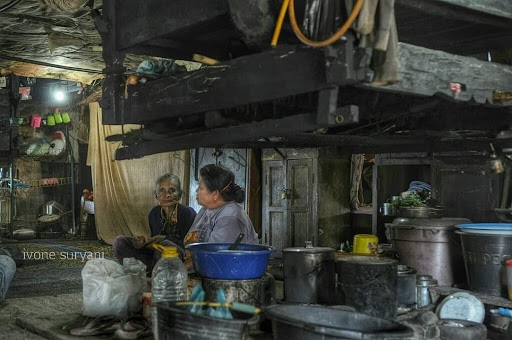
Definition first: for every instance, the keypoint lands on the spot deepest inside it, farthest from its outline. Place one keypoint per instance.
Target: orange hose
(293, 20)
(279, 23)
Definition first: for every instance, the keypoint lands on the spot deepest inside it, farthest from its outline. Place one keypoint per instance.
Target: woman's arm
(226, 229)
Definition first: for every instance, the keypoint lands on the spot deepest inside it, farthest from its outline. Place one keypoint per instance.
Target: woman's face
(204, 197)
(167, 193)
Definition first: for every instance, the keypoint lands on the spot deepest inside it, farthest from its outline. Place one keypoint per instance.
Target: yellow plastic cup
(365, 244)
(58, 117)
(50, 120)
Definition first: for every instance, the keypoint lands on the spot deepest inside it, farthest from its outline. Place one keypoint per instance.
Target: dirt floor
(47, 288)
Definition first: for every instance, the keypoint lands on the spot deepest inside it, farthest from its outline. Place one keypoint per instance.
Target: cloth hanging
(124, 191)
(376, 29)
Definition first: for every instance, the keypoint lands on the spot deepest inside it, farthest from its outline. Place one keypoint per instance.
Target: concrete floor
(45, 298)
(46, 291)
(32, 308)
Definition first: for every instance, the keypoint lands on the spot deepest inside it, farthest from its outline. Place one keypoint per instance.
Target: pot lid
(419, 223)
(308, 248)
(369, 260)
(402, 269)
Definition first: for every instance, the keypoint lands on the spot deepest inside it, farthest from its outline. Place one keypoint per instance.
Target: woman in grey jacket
(221, 218)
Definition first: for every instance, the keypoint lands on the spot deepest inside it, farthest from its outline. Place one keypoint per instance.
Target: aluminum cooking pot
(309, 274)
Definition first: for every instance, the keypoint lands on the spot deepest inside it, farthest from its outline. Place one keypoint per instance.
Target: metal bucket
(431, 246)
(309, 275)
(369, 284)
(484, 258)
(406, 285)
(258, 292)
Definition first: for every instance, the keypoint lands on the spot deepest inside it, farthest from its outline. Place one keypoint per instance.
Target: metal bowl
(420, 212)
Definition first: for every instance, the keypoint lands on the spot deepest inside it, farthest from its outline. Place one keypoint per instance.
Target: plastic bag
(112, 289)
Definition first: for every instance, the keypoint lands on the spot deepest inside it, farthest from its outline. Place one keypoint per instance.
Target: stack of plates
(418, 185)
(486, 228)
(38, 149)
(57, 147)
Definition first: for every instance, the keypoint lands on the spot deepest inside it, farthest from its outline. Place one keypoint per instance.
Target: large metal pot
(309, 275)
(430, 246)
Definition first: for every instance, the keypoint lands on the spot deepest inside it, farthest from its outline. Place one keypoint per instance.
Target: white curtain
(124, 191)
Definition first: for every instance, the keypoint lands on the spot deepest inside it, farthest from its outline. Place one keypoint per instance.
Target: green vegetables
(411, 200)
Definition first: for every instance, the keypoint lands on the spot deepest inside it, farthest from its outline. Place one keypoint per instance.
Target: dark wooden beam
(277, 73)
(141, 21)
(428, 72)
(464, 27)
(350, 144)
(111, 102)
(225, 135)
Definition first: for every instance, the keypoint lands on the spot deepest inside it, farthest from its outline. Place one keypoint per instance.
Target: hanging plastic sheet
(322, 18)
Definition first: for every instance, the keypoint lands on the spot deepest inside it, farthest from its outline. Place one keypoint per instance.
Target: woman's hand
(139, 241)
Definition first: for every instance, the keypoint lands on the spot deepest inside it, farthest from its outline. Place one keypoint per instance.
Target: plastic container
(169, 282)
(215, 261)
(508, 264)
(365, 244)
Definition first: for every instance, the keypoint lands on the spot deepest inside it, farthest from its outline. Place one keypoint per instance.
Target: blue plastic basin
(214, 261)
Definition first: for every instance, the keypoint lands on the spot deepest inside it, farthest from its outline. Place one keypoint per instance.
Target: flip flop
(97, 326)
(134, 327)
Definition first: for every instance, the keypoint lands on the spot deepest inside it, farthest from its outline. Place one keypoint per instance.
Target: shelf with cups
(45, 173)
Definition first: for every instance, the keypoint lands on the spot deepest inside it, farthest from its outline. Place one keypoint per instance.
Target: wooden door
(300, 182)
(274, 223)
(288, 201)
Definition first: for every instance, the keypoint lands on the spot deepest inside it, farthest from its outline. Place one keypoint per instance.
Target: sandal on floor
(97, 326)
(134, 327)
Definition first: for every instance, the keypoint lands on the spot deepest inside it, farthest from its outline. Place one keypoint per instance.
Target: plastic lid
(167, 251)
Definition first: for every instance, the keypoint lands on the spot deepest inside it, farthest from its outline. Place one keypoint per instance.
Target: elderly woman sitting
(169, 222)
